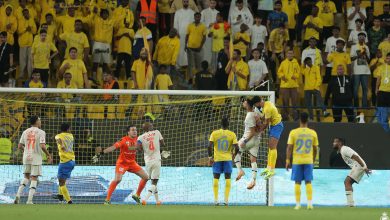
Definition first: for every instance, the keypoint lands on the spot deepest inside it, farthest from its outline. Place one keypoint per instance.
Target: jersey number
(223, 145)
(151, 145)
(303, 146)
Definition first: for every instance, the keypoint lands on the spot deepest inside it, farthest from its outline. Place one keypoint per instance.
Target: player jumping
(65, 143)
(273, 118)
(357, 164)
(250, 141)
(223, 141)
(33, 142)
(126, 162)
(150, 143)
(302, 144)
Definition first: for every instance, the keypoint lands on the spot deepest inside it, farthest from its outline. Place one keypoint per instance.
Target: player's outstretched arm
(235, 150)
(358, 159)
(265, 124)
(100, 153)
(210, 153)
(288, 155)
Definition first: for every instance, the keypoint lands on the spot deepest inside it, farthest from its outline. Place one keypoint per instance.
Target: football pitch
(171, 212)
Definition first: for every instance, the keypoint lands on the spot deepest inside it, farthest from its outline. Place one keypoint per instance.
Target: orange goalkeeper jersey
(128, 149)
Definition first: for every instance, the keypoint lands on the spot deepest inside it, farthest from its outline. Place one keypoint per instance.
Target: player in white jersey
(249, 142)
(33, 142)
(150, 143)
(357, 164)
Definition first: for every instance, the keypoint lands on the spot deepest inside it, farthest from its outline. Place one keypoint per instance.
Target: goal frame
(270, 94)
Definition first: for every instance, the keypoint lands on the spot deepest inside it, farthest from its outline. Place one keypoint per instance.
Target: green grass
(131, 212)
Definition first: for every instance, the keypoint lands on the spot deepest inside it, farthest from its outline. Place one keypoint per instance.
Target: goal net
(98, 119)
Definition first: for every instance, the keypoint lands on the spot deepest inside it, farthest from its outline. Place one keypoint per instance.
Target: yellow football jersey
(65, 140)
(223, 144)
(303, 140)
(271, 112)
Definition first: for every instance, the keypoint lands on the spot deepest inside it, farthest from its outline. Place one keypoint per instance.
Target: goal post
(98, 119)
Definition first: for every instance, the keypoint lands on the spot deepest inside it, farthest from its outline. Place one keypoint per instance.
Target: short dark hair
(3, 33)
(340, 139)
(72, 48)
(205, 65)
(197, 13)
(388, 54)
(256, 99)
(278, 3)
(42, 31)
(226, 38)
(237, 51)
(78, 21)
(130, 126)
(362, 33)
(25, 10)
(142, 17)
(48, 14)
(225, 122)
(359, 20)
(340, 42)
(304, 117)
(239, 1)
(255, 50)
(33, 119)
(336, 28)
(65, 127)
(162, 66)
(307, 59)
(102, 11)
(377, 18)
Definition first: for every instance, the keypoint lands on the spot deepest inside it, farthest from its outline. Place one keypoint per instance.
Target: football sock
(215, 189)
(65, 193)
(298, 194)
(350, 201)
(254, 170)
(227, 189)
(156, 193)
(309, 193)
(33, 188)
(59, 191)
(111, 190)
(237, 161)
(151, 190)
(272, 156)
(23, 184)
(141, 186)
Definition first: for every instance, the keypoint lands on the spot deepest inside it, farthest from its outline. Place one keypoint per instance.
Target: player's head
(35, 121)
(256, 101)
(225, 122)
(338, 142)
(147, 126)
(65, 127)
(131, 131)
(304, 118)
(248, 104)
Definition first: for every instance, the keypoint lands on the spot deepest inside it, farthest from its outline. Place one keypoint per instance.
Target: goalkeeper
(125, 163)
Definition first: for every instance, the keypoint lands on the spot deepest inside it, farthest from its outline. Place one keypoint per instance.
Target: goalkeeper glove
(97, 157)
(165, 154)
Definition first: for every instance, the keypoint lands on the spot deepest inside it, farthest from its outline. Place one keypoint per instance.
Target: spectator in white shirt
(360, 56)
(257, 72)
(329, 48)
(355, 12)
(353, 36)
(240, 15)
(313, 52)
(209, 16)
(258, 33)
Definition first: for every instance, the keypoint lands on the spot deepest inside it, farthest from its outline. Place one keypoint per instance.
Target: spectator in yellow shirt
(125, 36)
(23, 5)
(101, 51)
(384, 46)
(383, 93)
(76, 67)
(77, 39)
(375, 65)
(288, 73)
(313, 80)
(195, 38)
(42, 56)
(163, 82)
(67, 83)
(218, 32)
(238, 72)
(142, 71)
(35, 81)
(290, 7)
(167, 50)
(312, 27)
(9, 24)
(276, 46)
(124, 12)
(327, 12)
(26, 30)
(242, 40)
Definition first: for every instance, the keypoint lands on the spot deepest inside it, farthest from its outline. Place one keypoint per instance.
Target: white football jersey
(31, 139)
(346, 154)
(151, 145)
(250, 122)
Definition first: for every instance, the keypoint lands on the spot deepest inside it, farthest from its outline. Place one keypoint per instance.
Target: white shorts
(252, 146)
(153, 169)
(356, 173)
(101, 53)
(33, 170)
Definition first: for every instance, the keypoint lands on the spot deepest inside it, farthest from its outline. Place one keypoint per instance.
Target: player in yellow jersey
(65, 143)
(273, 119)
(223, 141)
(302, 144)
